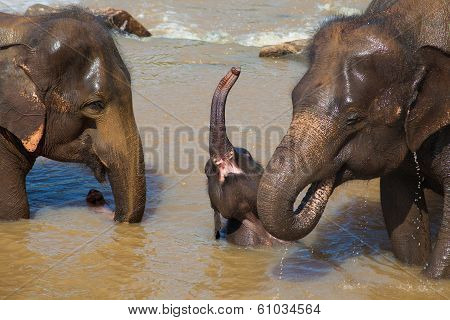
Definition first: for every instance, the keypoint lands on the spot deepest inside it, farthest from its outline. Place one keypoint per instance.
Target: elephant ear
(430, 111)
(21, 111)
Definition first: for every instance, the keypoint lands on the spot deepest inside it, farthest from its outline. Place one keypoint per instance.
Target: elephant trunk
(219, 144)
(286, 175)
(127, 179)
(119, 149)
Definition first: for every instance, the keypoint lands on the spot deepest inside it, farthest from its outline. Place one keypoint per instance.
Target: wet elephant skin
(67, 98)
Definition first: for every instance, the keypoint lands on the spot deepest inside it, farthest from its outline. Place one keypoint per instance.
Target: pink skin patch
(31, 142)
(226, 166)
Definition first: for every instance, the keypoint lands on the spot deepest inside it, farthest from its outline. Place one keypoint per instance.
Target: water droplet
(280, 276)
(420, 179)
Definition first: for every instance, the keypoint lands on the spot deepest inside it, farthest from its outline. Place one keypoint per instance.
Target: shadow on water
(57, 185)
(355, 229)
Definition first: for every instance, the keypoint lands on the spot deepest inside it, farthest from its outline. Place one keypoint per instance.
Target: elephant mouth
(97, 167)
(226, 165)
(317, 195)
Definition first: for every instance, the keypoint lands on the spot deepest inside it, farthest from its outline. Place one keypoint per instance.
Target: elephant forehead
(371, 43)
(93, 74)
(344, 38)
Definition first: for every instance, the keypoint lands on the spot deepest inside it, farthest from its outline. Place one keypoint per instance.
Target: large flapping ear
(430, 111)
(21, 111)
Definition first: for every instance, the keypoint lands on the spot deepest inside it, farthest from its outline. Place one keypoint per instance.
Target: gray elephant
(373, 103)
(68, 98)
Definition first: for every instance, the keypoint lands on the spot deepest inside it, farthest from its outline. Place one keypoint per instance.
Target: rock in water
(95, 198)
(117, 19)
(278, 50)
(123, 21)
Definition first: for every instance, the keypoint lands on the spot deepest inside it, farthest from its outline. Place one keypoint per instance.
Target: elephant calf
(233, 178)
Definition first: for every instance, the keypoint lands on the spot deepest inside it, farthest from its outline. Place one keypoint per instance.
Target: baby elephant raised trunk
(233, 177)
(220, 148)
(219, 145)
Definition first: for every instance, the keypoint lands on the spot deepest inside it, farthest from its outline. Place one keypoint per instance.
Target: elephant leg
(217, 224)
(407, 223)
(439, 263)
(14, 167)
(247, 233)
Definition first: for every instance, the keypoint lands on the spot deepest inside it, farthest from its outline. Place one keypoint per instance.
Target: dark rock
(117, 19)
(95, 198)
(123, 21)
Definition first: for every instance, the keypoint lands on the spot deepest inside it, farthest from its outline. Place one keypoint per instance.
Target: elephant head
(369, 96)
(65, 94)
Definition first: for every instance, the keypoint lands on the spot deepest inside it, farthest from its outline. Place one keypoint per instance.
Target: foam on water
(346, 11)
(175, 30)
(260, 39)
(176, 26)
(179, 25)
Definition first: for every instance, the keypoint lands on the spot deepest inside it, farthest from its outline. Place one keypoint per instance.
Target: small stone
(291, 47)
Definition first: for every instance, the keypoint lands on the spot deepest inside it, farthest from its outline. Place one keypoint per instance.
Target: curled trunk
(286, 175)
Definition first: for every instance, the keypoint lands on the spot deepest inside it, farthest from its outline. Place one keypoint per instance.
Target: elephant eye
(97, 106)
(93, 109)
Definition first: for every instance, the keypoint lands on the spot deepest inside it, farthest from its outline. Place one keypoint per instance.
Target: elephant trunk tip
(226, 84)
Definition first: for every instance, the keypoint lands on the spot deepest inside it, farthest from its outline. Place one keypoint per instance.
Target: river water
(68, 251)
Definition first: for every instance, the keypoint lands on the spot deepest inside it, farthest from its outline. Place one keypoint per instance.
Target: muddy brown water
(68, 251)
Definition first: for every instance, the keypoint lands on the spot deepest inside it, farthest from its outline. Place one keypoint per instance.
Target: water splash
(282, 263)
(280, 275)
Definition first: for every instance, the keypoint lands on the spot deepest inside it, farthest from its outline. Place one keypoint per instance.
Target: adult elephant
(65, 95)
(373, 103)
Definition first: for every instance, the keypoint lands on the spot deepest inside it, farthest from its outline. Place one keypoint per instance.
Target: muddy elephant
(65, 95)
(233, 178)
(374, 102)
